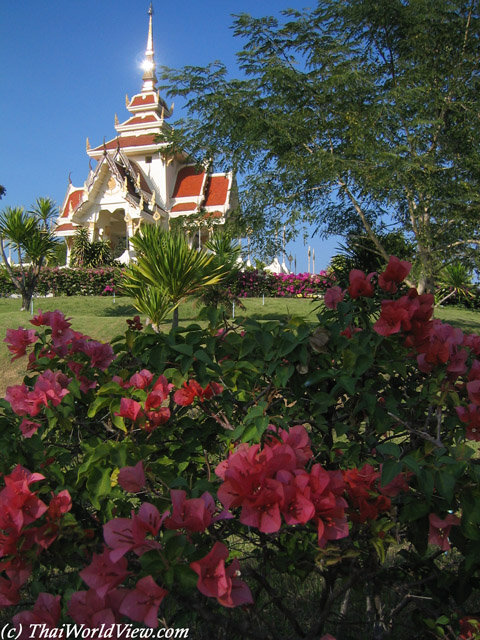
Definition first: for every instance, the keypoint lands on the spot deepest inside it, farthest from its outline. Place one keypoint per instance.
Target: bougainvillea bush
(269, 480)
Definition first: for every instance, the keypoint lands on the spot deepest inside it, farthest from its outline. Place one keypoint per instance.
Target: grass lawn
(101, 319)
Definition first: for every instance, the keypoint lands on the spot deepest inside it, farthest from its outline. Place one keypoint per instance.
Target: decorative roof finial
(149, 77)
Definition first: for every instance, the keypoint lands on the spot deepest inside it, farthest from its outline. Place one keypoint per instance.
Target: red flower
(333, 296)
(60, 504)
(102, 574)
(471, 417)
(18, 340)
(195, 514)
(46, 613)
(216, 581)
(187, 394)
(141, 380)
(28, 427)
(439, 530)
(360, 284)
(132, 479)
(396, 272)
(129, 409)
(142, 603)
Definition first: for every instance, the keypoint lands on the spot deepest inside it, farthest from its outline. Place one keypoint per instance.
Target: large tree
(358, 110)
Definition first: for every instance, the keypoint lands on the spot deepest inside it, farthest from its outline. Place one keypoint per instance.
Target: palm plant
(87, 253)
(167, 271)
(227, 252)
(33, 243)
(45, 210)
(455, 280)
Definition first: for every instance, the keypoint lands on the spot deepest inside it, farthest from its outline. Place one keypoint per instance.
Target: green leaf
(445, 484)
(390, 470)
(389, 449)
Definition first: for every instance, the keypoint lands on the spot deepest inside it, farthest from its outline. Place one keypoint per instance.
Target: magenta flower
(132, 479)
(18, 340)
(102, 574)
(439, 530)
(333, 296)
(142, 603)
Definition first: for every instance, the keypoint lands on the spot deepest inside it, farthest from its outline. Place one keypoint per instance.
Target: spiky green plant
(33, 243)
(455, 280)
(166, 272)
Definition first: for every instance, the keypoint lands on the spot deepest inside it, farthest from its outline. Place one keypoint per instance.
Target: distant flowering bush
(66, 281)
(271, 479)
(254, 283)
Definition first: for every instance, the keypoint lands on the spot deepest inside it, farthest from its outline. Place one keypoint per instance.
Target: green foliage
(90, 254)
(359, 252)
(388, 425)
(350, 113)
(455, 281)
(33, 243)
(167, 270)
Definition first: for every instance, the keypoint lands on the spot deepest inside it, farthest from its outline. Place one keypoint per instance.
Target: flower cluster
(22, 535)
(254, 283)
(154, 410)
(81, 354)
(272, 482)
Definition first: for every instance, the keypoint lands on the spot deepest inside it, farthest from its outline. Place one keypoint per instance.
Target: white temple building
(133, 184)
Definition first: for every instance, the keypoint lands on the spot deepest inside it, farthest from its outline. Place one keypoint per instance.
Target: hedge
(64, 281)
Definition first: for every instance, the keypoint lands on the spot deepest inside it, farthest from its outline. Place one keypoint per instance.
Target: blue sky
(67, 65)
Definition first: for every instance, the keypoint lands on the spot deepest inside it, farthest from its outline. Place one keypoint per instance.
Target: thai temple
(132, 184)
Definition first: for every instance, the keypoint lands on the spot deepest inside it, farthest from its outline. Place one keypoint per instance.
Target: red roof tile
(142, 99)
(128, 141)
(68, 226)
(189, 183)
(217, 191)
(74, 199)
(140, 120)
(185, 206)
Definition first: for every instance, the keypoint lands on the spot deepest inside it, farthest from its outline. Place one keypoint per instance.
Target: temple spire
(149, 77)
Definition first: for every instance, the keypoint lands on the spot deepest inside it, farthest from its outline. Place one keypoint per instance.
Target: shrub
(264, 480)
(63, 281)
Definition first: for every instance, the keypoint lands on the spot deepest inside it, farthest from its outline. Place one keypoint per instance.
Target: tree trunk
(26, 300)
(175, 318)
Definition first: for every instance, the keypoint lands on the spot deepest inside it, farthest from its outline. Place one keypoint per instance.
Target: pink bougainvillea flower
(187, 394)
(239, 594)
(142, 603)
(473, 390)
(333, 296)
(88, 608)
(360, 285)
(212, 578)
(18, 340)
(130, 534)
(46, 613)
(217, 581)
(129, 409)
(194, 514)
(156, 418)
(141, 379)
(132, 479)
(471, 417)
(8, 593)
(29, 428)
(396, 272)
(439, 530)
(60, 504)
(102, 574)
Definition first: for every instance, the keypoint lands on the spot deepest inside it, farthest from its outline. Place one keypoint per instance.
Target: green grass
(101, 319)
